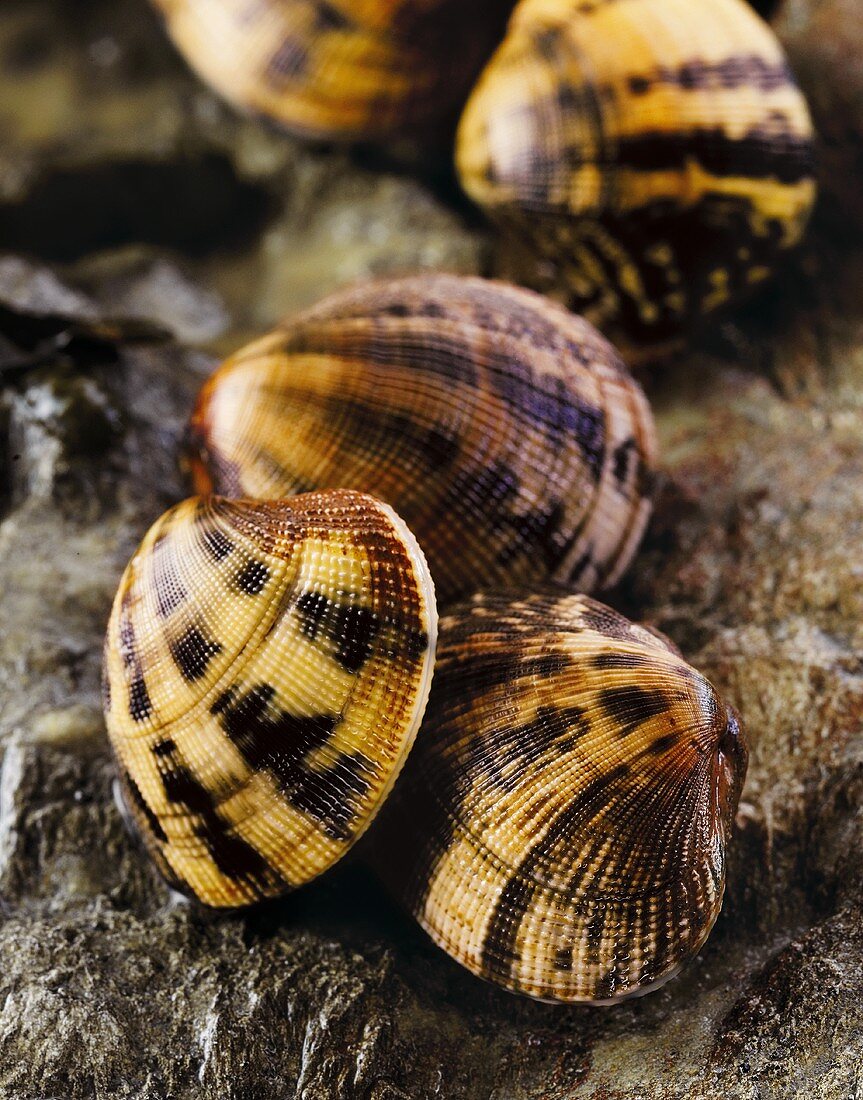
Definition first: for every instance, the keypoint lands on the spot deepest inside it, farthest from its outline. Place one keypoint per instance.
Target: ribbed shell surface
(560, 828)
(503, 429)
(657, 152)
(336, 68)
(266, 668)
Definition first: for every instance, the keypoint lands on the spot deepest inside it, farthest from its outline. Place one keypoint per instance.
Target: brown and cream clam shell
(266, 669)
(657, 154)
(561, 826)
(340, 69)
(504, 430)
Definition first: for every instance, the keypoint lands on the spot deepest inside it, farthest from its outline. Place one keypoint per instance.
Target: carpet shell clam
(561, 826)
(266, 668)
(503, 429)
(657, 154)
(340, 69)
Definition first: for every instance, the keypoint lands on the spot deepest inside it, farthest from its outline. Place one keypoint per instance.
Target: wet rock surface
(109, 986)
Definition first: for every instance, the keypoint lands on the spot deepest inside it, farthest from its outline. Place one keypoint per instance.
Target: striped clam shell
(561, 826)
(341, 69)
(656, 153)
(266, 668)
(503, 429)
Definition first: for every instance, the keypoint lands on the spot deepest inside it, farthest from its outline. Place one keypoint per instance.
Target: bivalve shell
(338, 68)
(266, 669)
(657, 154)
(562, 824)
(504, 430)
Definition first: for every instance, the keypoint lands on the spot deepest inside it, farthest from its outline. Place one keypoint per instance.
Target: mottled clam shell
(657, 153)
(266, 669)
(503, 429)
(338, 68)
(561, 826)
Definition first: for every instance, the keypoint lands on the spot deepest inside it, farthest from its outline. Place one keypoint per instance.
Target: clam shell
(503, 429)
(561, 826)
(656, 153)
(266, 669)
(335, 68)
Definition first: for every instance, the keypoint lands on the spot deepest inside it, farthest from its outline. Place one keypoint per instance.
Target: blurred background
(118, 164)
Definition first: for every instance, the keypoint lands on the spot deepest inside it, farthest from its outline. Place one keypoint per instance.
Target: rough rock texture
(110, 987)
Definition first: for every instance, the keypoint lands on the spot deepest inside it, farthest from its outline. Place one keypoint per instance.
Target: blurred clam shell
(657, 154)
(335, 68)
